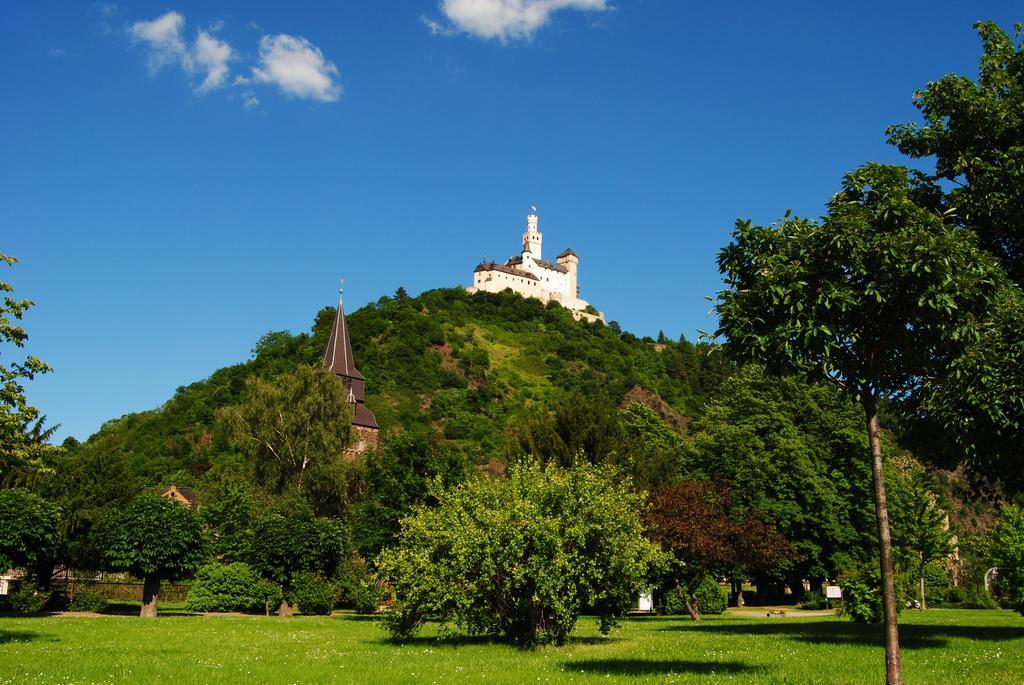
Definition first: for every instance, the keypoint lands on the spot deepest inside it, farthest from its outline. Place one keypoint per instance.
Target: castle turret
(532, 239)
(571, 261)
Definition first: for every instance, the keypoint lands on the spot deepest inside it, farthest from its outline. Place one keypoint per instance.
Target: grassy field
(940, 646)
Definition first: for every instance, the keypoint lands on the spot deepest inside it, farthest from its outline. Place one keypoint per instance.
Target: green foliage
(227, 514)
(519, 558)
(231, 587)
(796, 452)
(84, 600)
(876, 296)
(359, 587)
(975, 132)
(27, 599)
(710, 598)
(284, 546)
(293, 428)
(394, 480)
(28, 529)
(23, 440)
(862, 599)
(1007, 549)
(315, 595)
(154, 537)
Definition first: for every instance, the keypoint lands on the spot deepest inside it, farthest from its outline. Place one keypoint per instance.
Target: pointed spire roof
(338, 355)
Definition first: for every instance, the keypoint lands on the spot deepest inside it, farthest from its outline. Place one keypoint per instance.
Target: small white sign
(646, 602)
(833, 592)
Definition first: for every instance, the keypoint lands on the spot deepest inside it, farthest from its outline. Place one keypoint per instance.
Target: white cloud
(297, 67)
(505, 19)
(211, 56)
(163, 38)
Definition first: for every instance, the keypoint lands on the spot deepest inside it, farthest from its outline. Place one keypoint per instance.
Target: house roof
(362, 416)
(567, 252)
(338, 355)
(178, 492)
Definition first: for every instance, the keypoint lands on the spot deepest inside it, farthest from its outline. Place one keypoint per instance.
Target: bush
(314, 594)
(813, 601)
(231, 587)
(862, 601)
(1007, 544)
(671, 602)
(711, 599)
(518, 558)
(359, 588)
(85, 600)
(28, 600)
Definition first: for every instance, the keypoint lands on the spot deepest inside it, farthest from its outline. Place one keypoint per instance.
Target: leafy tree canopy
(520, 557)
(28, 529)
(975, 132)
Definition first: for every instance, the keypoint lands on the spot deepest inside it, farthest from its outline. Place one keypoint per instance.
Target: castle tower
(338, 359)
(571, 261)
(532, 239)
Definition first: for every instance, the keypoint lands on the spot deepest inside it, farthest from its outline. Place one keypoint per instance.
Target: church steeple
(339, 360)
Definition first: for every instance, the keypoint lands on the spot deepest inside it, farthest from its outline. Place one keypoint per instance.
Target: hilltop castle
(531, 276)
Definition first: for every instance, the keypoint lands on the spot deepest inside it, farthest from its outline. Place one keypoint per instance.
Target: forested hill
(465, 370)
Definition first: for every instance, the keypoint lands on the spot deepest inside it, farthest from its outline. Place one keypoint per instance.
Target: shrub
(671, 602)
(519, 557)
(814, 600)
(711, 599)
(862, 601)
(85, 600)
(231, 587)
(314, 594)
(28, 600)
(359, 588)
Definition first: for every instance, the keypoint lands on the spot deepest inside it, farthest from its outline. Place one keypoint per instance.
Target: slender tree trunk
(893, 668)
(923, 605)
(150, 595)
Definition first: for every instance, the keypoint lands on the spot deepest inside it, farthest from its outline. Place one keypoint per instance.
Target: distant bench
(780, 613)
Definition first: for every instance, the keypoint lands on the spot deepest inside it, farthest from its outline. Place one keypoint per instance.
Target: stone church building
(532, 276)
(338, 359)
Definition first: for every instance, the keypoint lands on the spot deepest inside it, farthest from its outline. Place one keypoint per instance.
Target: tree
(23, 439)
(283, 547)
(400, 294)
(28, 530)
(795, 451)
(920, 526)
(1006, 545)
(876, 297)
(975, 131)
(696, 524)
(519, 558)
(397, 478)
(297, 422)
(153, 538)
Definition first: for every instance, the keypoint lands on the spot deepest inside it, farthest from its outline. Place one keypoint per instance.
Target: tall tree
(23, 439)
(293, 424)
(876, 297)
(975, 132)
(153, 538)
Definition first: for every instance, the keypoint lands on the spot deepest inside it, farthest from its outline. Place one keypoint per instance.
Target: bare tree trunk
(893, 668)
(150, 595)
(923, 605)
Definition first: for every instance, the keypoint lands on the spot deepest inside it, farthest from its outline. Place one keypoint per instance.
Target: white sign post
(832, 592)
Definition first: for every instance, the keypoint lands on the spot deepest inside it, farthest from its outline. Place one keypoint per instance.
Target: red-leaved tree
(696, 523)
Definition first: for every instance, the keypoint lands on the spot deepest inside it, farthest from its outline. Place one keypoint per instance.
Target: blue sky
(179, 178)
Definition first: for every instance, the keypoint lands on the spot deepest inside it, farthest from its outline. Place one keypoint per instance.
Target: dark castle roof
(506, 268)
(567, 252)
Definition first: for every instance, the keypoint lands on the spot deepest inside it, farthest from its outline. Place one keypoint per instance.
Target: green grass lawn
(940, 646)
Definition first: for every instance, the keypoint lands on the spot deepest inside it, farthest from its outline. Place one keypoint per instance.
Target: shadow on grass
(467, 640)
(911, 636)
(643, 667)
(8, 636)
